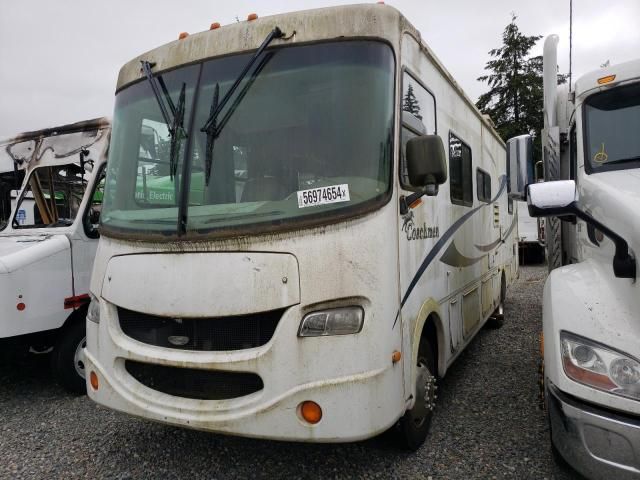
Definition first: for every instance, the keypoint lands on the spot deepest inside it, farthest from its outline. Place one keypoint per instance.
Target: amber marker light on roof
(252, 16)
(607, 79)
(214, 26)
(183, 35)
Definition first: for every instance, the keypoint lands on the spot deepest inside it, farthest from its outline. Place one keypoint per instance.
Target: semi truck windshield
(611, 125)
(310, 141)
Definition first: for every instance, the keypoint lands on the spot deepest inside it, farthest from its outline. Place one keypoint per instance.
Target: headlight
(93, 312)
(601, 367)
(336, 321)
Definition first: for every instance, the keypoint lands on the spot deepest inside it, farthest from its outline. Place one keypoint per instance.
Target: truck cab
(49, 241)
(592, 295)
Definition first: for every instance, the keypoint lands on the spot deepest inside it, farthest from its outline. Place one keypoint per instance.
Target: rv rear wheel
(414, 424)
(67, 359)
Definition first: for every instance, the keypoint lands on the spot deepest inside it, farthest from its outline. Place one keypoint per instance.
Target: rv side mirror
(519, 166)
(426, 163)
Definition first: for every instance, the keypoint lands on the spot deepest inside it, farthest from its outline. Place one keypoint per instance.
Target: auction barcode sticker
(323, 195)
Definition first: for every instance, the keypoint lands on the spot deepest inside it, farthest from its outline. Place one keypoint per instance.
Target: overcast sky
(59, 60)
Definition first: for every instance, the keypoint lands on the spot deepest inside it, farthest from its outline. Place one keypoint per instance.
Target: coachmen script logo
(418, 233)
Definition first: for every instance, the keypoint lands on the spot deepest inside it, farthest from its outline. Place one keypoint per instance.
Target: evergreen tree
(410, 103)
(515, 98)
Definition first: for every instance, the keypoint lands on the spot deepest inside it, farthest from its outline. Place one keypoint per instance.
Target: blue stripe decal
(441, 243)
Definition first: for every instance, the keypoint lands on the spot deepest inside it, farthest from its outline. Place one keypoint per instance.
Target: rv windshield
(611, 125)
(309, 140)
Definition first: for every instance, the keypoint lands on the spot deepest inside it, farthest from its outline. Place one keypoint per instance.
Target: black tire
(496, 320)
(63, 358)
(414, 424)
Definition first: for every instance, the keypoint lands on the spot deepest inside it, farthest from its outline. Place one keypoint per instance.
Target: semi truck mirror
(555, 198)
(519, 166)
(426, 163)
(560, 198)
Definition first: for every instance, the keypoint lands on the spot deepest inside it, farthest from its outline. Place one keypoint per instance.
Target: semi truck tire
(67, 359)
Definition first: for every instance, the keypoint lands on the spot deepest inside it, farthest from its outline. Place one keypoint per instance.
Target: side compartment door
(418, 228)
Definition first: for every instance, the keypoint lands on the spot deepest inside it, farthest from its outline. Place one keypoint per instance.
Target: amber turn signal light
(214, 26)
(310, 412)
(252, 16)
(93, 380)
(183, 35)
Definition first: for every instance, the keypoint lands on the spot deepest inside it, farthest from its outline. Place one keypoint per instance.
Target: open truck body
(49, 241)
(289, 280)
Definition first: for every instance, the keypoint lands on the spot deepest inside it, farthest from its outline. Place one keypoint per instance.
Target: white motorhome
(329, 233)
(592, 297)
(49, 242)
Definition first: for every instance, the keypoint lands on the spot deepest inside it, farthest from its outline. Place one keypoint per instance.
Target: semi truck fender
(585, 299)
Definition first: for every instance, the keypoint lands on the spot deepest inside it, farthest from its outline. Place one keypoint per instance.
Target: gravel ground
(488, 425)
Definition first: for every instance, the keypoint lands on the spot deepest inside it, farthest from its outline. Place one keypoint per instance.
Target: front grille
(204, 334)
(194, 383)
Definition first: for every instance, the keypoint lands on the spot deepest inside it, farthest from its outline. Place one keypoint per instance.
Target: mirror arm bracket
(624, 265)
(407, 201)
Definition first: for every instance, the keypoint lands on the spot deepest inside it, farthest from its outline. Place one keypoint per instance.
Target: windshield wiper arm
(175, 121)
(210, 127)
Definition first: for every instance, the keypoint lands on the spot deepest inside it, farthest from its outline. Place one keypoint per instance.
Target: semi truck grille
(204, 334)
(194, 383)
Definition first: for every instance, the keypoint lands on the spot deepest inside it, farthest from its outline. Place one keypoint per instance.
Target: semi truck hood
(18, 251)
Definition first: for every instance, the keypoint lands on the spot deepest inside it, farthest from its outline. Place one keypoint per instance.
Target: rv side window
(460, 172)
(418, 118)
(483, 185)
(419, 102)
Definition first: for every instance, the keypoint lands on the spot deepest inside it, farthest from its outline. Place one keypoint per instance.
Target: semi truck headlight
(336, 321)
(93, 312)
(599, 366)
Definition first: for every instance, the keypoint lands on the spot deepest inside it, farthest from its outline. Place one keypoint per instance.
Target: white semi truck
(49, 241)
(306, 221)
(591, 304)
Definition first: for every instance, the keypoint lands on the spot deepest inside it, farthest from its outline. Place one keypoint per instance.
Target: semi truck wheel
(415, 423)
(67, 359)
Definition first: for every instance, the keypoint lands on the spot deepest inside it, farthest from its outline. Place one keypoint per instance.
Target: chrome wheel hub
(78, 357)
(425, 395)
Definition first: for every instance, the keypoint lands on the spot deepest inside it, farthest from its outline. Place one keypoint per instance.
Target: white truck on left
(48, 243)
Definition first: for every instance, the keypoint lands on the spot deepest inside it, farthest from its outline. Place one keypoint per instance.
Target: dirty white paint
(373, 261)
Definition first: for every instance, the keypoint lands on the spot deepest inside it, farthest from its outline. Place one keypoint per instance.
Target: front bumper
(357, 401)
(599, 444)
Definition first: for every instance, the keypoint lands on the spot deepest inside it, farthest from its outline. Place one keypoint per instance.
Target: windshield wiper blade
(175, 121)
(210, 126)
